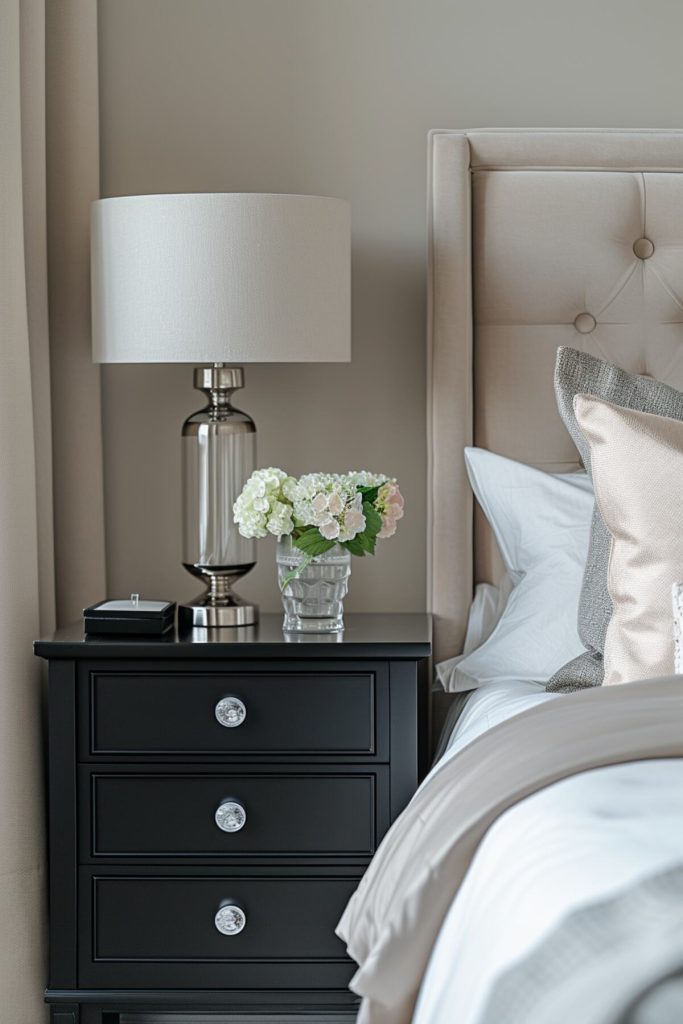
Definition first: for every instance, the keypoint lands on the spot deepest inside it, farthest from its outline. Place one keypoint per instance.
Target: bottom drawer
(163, 931)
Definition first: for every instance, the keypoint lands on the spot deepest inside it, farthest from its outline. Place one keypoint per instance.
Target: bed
(489, 900)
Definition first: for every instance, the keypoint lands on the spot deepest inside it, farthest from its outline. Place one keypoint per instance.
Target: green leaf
(354, 546)
(373, 520)
(369, 494)
(311, 542)
(366, 542)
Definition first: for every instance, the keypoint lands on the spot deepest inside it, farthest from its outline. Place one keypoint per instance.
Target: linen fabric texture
(541, 522)
(637, 464)
(635, 934)
(580, 373)
(394, 917)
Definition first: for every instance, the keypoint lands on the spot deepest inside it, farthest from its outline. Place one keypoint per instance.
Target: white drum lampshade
(223, 279)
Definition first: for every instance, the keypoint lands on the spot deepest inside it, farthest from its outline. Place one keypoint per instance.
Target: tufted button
(643, 248)
(584, 323)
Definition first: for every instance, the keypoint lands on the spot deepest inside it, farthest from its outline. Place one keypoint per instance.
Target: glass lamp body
(218, 456)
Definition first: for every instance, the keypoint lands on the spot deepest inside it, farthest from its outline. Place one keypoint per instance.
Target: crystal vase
(313, 594)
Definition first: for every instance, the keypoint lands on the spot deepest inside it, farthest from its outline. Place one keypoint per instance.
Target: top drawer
(220, 713)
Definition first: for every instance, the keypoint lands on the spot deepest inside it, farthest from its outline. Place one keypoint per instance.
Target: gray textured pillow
(577, 373)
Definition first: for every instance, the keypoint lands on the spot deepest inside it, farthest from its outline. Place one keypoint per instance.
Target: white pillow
(487, 607)
(541, 522)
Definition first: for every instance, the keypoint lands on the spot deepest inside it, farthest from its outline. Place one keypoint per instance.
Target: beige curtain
(73, 181)
(51, 521)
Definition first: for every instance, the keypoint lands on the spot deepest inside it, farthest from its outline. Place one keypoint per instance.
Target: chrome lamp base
(219, 605)
(231, 611)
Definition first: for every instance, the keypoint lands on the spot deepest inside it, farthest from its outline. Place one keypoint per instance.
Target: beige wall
(336, 97)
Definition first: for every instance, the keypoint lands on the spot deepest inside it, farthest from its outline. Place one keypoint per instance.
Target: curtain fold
(73, 181)
(22, 854)
(50, 455)
(34, 209)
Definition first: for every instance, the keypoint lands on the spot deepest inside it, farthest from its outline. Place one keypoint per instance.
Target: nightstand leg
(96, 1015)
(64, 1015)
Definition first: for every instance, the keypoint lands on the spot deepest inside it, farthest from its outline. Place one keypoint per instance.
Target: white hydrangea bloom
(259, 509)
(363, 478)
(335, 503)
(353, 521)
(273, 502)
(329, 529)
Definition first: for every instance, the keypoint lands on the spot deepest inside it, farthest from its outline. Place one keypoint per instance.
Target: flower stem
(295, 572)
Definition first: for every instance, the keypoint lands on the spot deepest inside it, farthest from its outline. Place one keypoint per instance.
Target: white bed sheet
(573, 843)
(492, 704)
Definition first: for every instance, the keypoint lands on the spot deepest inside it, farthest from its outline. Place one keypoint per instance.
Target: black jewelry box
(130, 616)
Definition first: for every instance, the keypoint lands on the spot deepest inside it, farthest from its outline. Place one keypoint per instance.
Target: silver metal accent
(211, 610)
(230, 816)
(218, 456)
(230, 712)
(230, 919)
(218, 377)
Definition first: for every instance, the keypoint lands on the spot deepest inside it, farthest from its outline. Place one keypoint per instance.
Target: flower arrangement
(320, 510)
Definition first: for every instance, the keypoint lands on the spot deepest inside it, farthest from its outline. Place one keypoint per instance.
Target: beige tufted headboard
(538, 238)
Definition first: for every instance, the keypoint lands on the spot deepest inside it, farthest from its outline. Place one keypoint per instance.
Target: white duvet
(575, 842)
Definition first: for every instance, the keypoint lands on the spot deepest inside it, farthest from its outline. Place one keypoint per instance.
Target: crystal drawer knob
(231, 816)
(230, 712)
(230, 920)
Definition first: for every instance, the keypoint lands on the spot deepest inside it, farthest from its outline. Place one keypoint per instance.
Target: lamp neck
(218, 382)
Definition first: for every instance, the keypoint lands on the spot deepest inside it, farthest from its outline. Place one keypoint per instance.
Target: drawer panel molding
(153, 714)
(165, 924)
(281, 813)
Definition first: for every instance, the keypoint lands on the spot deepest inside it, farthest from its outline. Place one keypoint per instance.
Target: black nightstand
(213, 804)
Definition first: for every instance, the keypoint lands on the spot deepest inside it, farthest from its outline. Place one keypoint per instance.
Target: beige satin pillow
(637, 463)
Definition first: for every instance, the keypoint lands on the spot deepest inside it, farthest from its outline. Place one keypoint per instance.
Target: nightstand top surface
(366, 635)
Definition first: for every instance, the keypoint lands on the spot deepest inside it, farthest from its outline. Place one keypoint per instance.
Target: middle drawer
(195, 813)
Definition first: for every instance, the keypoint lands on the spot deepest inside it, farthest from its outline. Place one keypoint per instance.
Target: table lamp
(220, 279)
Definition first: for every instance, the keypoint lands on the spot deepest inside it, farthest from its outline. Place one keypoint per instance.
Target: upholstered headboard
(538, 239)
